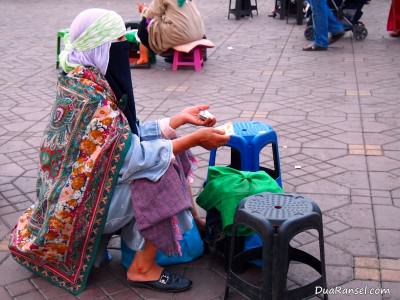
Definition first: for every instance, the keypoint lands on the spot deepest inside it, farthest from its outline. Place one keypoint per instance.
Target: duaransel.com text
(339, 290)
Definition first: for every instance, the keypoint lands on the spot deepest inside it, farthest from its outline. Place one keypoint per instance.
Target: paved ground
(337, 114)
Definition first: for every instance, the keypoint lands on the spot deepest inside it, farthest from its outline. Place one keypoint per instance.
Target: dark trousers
(143, 34)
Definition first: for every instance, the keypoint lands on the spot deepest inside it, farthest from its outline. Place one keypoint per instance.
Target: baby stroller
(348, 12)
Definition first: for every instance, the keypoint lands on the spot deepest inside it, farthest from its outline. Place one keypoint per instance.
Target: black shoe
(335, 37)
(313, 47)
(169, 59)
(168, 282)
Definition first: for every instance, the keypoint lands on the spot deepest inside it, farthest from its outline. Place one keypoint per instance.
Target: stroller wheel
(309, 33)
(360, 32)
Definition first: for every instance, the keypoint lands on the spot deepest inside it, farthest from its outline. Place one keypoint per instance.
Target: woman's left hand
(190, 115)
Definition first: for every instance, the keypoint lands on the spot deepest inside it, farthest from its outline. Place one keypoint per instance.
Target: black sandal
(168, 283)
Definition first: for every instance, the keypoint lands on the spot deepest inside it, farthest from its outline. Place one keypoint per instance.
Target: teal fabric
(226, 187)
(181, 2)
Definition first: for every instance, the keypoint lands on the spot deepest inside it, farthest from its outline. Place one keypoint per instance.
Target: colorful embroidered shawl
(83, 149)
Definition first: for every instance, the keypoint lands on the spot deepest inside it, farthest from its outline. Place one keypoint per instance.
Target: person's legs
(320, 22)
(144, 266)
(143, 34)
(334, 26)
(144, 46)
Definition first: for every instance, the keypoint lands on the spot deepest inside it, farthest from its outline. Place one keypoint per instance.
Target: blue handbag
(192, 247)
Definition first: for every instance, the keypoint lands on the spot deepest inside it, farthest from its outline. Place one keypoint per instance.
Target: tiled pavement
(337, 114)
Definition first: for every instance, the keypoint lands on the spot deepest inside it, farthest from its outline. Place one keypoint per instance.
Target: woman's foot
(395, 34)
(137, 273)
(201, 223)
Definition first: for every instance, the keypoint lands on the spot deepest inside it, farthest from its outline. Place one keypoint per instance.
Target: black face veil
(119, 78)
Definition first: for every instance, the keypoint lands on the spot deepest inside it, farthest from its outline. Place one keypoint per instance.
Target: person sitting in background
(393, 23)
(102, 171)
(166, 24)
(324, 21)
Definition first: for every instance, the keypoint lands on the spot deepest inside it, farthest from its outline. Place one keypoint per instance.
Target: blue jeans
(324, 21)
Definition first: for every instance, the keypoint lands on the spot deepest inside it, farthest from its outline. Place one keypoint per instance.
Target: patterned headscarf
(89, 39)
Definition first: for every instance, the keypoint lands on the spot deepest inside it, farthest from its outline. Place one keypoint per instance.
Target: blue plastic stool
(246, 144)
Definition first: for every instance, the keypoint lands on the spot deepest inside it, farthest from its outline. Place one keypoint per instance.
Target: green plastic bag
(226, 187)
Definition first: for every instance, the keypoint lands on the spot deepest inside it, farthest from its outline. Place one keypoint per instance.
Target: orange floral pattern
(49, 235)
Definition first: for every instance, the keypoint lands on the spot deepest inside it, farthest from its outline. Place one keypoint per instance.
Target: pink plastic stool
(190, 54)
(193, 58)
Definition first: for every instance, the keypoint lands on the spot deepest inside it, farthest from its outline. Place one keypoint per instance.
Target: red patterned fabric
(82, 151)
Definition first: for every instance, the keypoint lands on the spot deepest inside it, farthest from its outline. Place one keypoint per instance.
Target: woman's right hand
(140, 7)
(210, 138)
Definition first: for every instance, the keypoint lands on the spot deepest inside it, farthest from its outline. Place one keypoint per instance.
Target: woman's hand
(210, 138)
(190, 115)
(140, 7)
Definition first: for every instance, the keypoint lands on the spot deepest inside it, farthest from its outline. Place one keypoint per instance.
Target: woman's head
(90, 37)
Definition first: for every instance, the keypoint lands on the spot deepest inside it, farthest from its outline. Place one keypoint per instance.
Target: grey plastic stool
(277, 218)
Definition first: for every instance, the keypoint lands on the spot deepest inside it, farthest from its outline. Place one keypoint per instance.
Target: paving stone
(390, 275)
(366, 274)
(4, 295)
(387, 217)
(11, 170)
(113, 286)
(352, 179)
(126, 295)
(354, 215)
(391, 264)
(10, 220)
(361, 199)
(14, 272)
(34, 295)
(359, 242)
(393, 292)
(19, 288)
(356, 163)
(333, 255)
(324, 187)
(366, 262)
(90, 293)
(213, 288)
(388, 243)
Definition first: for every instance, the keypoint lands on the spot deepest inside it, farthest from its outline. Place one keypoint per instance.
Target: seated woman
(166, 24)
(101, 170)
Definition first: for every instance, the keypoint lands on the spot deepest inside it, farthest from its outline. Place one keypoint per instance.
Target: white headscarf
(90, 37)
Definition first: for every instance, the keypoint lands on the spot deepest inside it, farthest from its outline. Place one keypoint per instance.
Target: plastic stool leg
(197, 61)
(58, 51)
(226, 294)
(175, 61)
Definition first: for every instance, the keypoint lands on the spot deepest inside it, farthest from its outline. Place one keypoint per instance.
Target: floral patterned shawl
(83, 149)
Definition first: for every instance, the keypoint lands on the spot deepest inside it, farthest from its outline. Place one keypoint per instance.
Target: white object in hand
(205, 114)
(228, 128)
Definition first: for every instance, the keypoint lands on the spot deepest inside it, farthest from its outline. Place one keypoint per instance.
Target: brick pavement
(337, 115)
